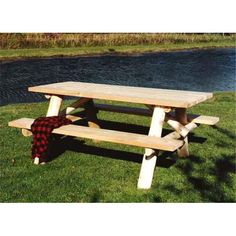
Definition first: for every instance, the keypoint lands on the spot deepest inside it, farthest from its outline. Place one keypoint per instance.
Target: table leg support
(149, 158)
(54, 105)
(181, 116)
(91, 114)
(77, 104)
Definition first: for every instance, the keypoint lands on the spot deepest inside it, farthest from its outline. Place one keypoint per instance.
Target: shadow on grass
(214, 180)
(226, 132)
(217, 189)
(165, 159)
(210, 190)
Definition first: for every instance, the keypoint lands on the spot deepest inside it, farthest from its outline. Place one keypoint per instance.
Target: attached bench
(132, 139)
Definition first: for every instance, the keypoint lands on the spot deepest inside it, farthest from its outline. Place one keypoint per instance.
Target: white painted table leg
(54, 106)
(181, 116)
(53, 110)
(148, 164)
(36, 161)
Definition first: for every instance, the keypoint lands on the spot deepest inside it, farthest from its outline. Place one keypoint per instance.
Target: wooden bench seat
(197, 119)
(107, 135)
(206, 120)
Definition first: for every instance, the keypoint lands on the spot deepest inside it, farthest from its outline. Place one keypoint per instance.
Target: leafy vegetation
(86, 171)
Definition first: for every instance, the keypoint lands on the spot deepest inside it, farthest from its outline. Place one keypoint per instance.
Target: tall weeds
(63, 40)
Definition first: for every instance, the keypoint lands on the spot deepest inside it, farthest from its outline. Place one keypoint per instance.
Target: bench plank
(107, 135)
(151, 96)
(207, 120)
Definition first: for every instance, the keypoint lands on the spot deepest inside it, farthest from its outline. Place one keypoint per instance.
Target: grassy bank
(84, 171)
(13, 46)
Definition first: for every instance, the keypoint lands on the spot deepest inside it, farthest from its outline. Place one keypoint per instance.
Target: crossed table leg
(150, 156)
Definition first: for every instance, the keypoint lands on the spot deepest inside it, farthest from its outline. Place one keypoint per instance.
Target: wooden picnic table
(163, 105)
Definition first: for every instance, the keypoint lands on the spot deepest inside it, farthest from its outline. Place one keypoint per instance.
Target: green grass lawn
(85, 171)
(8, 54)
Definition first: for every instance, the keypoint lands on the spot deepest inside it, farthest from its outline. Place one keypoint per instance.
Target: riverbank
(77, 172)
(18, 54)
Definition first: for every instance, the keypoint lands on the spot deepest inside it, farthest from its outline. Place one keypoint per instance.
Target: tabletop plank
(141, 95)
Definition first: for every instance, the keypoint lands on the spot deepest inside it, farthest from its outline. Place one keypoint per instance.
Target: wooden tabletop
(141, 95)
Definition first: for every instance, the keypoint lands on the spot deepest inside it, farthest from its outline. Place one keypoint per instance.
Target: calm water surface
(196, 70)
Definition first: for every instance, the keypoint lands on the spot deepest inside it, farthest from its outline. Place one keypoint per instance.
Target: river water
(206, 70)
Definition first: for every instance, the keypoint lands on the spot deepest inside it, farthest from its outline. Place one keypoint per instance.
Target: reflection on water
(197, 70)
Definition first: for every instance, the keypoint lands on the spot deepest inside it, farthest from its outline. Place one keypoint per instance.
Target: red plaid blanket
(42, 129)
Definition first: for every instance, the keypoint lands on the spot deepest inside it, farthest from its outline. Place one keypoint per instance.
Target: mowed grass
(15, 54)
(88, 171)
